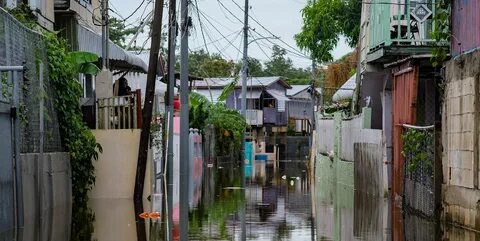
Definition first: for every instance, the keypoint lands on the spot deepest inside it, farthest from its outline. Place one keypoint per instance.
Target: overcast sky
(281, 17)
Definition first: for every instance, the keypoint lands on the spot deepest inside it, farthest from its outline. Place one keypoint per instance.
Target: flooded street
(278, 205)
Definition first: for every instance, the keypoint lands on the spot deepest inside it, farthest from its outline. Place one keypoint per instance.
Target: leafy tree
(207, 65)
(255, 67)
(323, 23)
(280, 65)
(119, 32)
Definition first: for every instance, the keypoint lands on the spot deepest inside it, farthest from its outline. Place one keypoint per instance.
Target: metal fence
(28, 121)
(20, 46)
(419, 180)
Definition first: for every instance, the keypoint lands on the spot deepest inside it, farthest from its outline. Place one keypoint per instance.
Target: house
(266, 99)
(398, 98)
(301, 106)
(116, 120)
(399, 84)
(460, 115)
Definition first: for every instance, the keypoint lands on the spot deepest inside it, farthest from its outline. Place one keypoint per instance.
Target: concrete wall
(460, 137)
(325, 128)
(47, 196)
(341, 139)
(116, 167)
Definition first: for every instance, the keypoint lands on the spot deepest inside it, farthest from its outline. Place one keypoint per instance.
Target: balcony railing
(254, 117)
(119, 112)
(401, 23)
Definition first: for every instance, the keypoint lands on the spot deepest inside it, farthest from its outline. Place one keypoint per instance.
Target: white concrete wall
(116, 167)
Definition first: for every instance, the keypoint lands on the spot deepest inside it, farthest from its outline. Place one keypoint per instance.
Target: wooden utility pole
(148, 103)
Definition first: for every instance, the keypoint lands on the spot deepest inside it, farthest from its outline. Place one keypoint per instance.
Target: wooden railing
(401, 22)
(119, 112)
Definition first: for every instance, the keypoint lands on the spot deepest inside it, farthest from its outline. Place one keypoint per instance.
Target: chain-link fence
(20, 46)
(419, 181)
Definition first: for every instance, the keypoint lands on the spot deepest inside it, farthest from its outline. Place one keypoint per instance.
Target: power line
(261, 25)
(228, 10)
(139, 6)
(218, 31)
(201, 26)
(261, 49)
(217, 40)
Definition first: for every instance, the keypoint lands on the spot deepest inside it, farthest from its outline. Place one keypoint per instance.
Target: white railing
(118, 112)
(254, 117)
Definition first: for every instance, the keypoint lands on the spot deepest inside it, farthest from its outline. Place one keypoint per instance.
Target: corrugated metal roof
(215, 93)
(251, 82)
(297, 89)
(252, 94)
(277, 94)
(90, 41)
(346, 90)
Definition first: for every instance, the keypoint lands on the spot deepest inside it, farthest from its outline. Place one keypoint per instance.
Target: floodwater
(278, 203)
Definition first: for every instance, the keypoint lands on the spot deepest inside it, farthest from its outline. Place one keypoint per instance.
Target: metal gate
(11, 213)
(405, 84)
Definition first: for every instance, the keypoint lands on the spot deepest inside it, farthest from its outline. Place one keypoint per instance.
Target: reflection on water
(277, 205)
(343, 213)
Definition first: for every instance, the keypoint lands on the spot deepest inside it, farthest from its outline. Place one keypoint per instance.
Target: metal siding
(270, 115)
(465, 26)
(6, 172)
(404, 112)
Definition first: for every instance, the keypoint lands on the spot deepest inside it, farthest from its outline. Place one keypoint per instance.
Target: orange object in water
(143, 215)
(155, 215)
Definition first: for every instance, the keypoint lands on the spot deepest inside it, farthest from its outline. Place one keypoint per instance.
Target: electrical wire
(203, 14)
(201, 26)
(270, 32)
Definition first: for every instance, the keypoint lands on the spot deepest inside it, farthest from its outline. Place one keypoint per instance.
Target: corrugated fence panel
(465, 26)
(368, 159)
(325, 132)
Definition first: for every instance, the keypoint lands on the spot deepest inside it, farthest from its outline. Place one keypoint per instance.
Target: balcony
(254, 117)
(119, 112)
(400, 28)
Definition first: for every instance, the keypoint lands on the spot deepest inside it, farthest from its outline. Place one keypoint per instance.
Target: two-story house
(397, 76)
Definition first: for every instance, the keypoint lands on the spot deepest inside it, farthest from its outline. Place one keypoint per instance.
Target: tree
(255, 67)
(119, 32)
(280, 65)
(208, 65)
(323, 23)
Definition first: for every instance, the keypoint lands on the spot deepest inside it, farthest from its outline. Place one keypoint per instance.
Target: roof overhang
(120, 59)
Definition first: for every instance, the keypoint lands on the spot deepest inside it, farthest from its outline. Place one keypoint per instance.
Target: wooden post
(148, 104)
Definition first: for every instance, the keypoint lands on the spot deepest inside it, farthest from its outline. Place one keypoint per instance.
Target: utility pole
(172, 35)
(148, 103)
(313, 94)
(105, 34)
(244, 73)
(184, 127)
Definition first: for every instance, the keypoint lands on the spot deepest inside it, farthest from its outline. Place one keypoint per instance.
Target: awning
(277, 94)
(252, 94)
(346, 90)
(90, 41)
